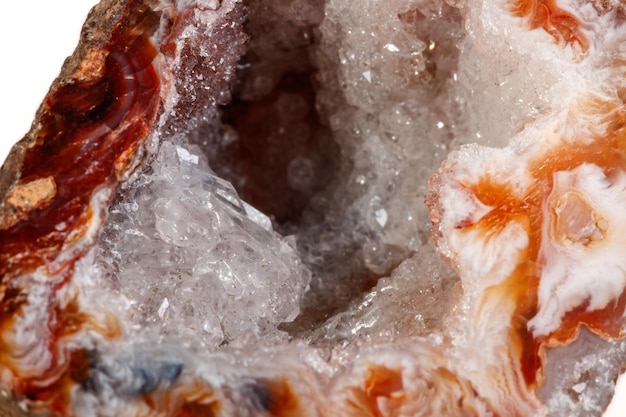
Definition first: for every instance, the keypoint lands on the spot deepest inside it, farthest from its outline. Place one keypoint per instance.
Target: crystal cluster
(202, 266)
(220, 212)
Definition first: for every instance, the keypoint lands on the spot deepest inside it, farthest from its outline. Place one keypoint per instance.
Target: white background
(35, 38)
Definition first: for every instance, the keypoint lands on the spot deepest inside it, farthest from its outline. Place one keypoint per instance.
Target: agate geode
(220, 212)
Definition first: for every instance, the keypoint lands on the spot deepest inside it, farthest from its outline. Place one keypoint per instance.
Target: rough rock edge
(85, 64)
(96, 31)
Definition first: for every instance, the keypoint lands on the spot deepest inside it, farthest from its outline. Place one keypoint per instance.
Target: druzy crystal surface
(203, 265)
(321, 208)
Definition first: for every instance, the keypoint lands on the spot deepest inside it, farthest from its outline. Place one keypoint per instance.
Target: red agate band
(87, 130)
(546, 14)
(89, 133)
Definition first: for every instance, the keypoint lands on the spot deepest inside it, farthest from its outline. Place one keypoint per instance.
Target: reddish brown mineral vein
(546, 14)
(606, 152)
(89, 131)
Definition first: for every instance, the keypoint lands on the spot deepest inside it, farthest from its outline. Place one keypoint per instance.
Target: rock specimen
(136, 280)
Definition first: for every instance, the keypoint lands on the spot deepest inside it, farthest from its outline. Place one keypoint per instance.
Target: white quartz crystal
(385, 70)
(581, 377)
(422, 288)
(193, 261)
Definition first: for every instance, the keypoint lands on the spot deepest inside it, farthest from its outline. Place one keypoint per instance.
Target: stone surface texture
(321, 208)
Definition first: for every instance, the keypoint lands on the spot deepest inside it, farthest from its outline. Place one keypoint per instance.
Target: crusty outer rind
(96, 31)
(85, 62)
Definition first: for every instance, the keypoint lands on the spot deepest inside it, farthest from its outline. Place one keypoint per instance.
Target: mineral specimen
(136, 280)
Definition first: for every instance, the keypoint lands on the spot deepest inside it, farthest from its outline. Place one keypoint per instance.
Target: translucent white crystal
(194, 260)
(580, 377)
(385, 76)
(422, 288)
